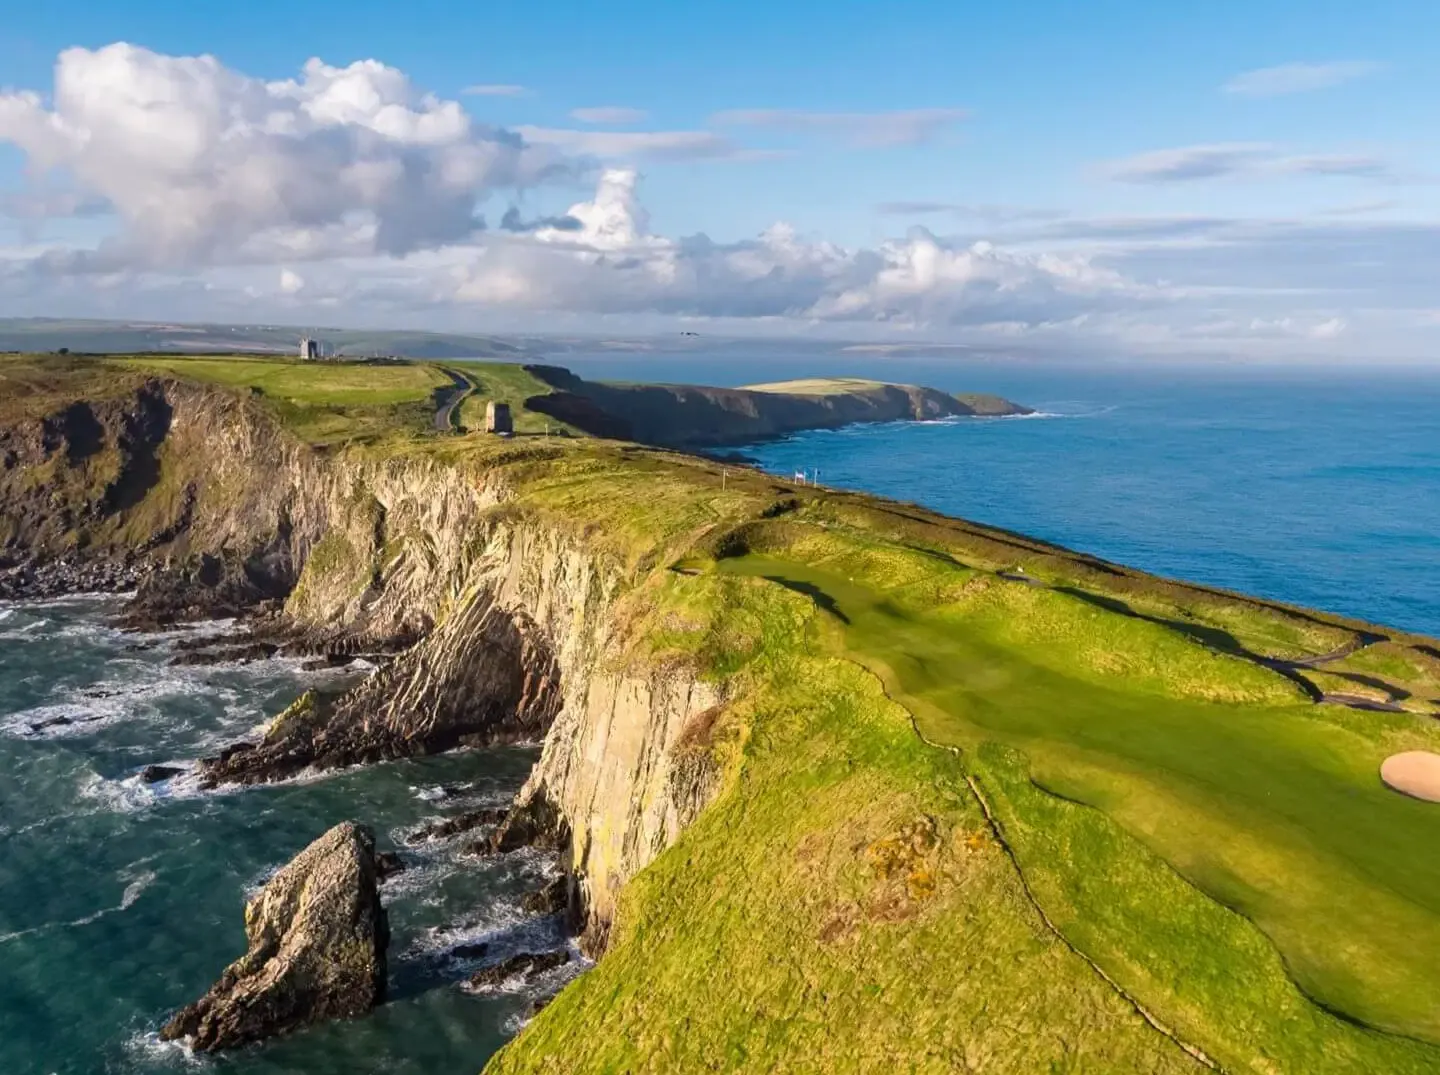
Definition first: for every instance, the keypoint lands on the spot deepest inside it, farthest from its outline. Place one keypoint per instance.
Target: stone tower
(497, 418)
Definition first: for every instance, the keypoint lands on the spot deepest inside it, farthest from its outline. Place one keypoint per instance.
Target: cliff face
(700, 416)
(504, 625)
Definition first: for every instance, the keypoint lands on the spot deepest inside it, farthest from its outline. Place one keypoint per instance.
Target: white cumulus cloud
(197, 159)
(611, 262)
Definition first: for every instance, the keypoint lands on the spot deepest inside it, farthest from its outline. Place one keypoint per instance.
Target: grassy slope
(1218, 844)
(1183, 815)
(504, 383)
(816, 386)
(323, 402)
(981, 403)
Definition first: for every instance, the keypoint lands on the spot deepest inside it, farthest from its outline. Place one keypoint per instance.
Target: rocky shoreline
(47, 580)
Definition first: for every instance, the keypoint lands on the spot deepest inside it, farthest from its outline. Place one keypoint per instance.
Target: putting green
(1271, 808)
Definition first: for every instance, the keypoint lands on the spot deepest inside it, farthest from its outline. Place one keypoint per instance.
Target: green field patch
(1274, 808)
(839, 910)
(506, 382)
(322, 402)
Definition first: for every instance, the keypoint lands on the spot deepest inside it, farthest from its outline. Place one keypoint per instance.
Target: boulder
(317, 937)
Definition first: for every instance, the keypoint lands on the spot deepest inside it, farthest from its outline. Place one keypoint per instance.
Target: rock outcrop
(496, 626)
(317, 937)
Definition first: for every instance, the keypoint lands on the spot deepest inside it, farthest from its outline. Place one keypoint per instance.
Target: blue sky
(1188, 166)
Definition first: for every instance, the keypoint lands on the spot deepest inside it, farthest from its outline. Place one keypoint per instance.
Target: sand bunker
(1416, 772)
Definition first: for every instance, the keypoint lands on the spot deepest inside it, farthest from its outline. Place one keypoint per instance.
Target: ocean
(1311, 485)
(120, 902)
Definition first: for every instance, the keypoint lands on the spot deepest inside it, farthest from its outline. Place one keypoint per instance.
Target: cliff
(843, 784)
(692, 416)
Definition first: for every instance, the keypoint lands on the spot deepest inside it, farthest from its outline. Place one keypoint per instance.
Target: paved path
(461, 387)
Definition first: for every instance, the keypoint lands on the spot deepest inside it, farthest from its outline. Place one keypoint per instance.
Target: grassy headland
(987, 805)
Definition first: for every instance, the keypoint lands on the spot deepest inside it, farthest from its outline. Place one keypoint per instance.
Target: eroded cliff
(498, 626)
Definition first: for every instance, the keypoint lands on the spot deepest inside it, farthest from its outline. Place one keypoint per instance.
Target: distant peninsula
(690, 416)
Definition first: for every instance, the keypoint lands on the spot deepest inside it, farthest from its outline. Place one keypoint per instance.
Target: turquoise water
(1318, 486)
(120, 903)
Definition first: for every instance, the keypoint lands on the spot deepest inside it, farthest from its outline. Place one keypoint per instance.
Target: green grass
(817, 386)
(504, 382)
(841, 909)
(1180, 812)
(322, 402)
(1219, 845)
(1273, 810)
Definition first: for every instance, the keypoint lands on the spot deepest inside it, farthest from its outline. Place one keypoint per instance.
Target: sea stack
(317, 938)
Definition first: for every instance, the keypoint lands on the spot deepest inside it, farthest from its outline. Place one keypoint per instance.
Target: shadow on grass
(1212, 637)
(809, 589)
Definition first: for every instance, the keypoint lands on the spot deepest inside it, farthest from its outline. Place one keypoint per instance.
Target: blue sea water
(120, 902)
(1311, 485)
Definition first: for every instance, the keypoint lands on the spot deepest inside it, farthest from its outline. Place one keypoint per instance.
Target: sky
(1257, 179)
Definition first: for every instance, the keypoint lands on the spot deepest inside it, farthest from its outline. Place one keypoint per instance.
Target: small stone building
(497, 418)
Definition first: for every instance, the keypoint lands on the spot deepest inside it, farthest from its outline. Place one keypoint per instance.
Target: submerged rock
(153, 774)
(388, 864)
(226, 653)
(453, 826)
(526, 965)
(317, 938)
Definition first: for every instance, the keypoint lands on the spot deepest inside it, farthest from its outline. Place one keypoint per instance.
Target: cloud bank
(196, 159)
(349, 194)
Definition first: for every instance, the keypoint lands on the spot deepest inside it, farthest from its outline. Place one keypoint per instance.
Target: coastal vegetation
(973, 801)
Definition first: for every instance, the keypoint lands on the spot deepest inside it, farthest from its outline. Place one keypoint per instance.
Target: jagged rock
(478, 950)
(552, 899)
(388, 864)
(327, 662)
(453, 826)
(487, 675)
(153, 774)
(534, 823)
(317, 938)
(210, 587)
(526, 965)
(238, 653)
